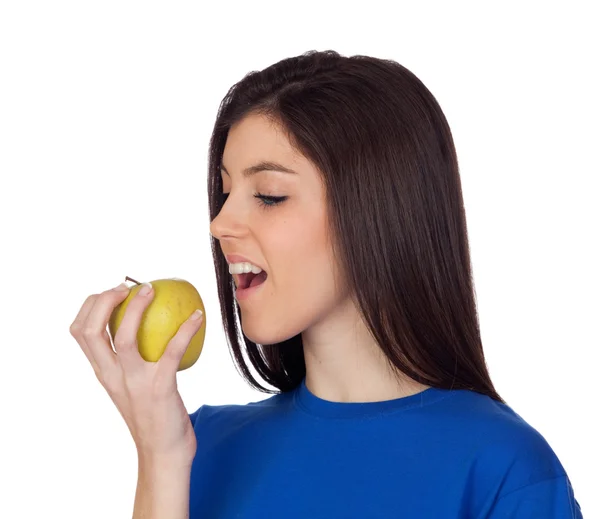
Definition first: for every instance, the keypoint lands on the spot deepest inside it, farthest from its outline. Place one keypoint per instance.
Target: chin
(267, 337)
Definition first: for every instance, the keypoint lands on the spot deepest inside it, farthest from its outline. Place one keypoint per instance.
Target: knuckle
(163, 383)
(174, 348)
(90, 333)
(99, 376)
(111, 382)
(111, 387)
(74, 329)
(89, 300)
(135, 384)
(122, 343)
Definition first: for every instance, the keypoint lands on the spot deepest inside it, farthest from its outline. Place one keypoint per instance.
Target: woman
(334, 191)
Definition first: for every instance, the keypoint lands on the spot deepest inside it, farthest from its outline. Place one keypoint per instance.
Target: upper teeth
(243, 268)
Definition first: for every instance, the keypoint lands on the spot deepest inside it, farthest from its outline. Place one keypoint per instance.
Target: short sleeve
(551, 499)
(193, 416)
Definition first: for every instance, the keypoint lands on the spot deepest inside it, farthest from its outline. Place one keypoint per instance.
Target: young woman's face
(288, 239)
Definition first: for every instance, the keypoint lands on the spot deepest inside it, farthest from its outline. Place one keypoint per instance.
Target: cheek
(301, 289)
(301, 253)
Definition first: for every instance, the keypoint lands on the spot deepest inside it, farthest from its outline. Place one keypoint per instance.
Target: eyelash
(266, 202)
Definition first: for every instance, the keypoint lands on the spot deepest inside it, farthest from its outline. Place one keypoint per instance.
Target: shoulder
(222, 415)
(507, 449)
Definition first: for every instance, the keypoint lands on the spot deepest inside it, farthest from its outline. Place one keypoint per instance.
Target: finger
(76, 329)
(94, 328)
(178, 345)
(125, 339)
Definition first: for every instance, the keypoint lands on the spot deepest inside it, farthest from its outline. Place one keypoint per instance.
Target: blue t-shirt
(438, 454)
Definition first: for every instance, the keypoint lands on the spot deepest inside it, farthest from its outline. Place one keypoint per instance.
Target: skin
(290, 242)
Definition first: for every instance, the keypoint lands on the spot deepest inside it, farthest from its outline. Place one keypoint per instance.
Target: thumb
(178, 345)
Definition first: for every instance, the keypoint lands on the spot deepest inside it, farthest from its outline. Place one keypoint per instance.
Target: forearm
(163, 491)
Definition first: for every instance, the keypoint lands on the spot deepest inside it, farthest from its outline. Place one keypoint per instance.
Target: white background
(106, 109)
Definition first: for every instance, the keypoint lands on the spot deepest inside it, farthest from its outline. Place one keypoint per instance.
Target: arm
(163, 491)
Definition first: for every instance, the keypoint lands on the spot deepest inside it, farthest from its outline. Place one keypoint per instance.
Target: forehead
(255, 139)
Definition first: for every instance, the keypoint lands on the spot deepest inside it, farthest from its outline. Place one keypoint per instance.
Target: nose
(229, 222)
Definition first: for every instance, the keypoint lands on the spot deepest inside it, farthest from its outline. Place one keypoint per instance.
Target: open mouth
(250, 279)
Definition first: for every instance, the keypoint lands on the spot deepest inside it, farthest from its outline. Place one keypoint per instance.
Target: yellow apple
(173, 302)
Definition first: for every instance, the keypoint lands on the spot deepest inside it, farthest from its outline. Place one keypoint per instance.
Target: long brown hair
(388, 163)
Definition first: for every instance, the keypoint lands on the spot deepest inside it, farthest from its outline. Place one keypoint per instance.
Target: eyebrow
(265, 165)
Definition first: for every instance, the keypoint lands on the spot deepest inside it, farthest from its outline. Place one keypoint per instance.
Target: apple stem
(127, 278)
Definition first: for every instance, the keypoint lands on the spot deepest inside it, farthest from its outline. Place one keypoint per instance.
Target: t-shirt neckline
(316, 406)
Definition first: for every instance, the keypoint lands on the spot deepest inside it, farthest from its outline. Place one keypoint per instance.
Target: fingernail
(196, 315)
(145, 290)
(121, 288)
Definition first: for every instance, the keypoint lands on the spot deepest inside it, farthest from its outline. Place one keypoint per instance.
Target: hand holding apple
(173, 303)
(153, 337)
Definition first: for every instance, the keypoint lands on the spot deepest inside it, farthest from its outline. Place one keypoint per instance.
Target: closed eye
(269, 201)
(265, 201)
